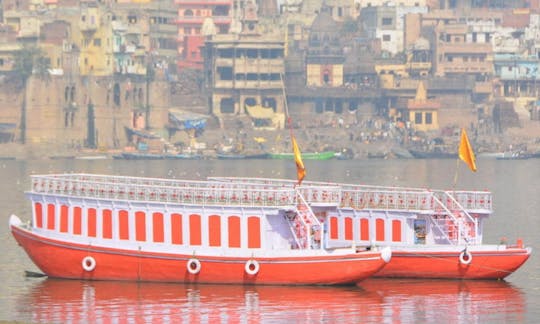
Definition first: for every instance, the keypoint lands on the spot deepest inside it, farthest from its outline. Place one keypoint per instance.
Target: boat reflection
(374, 300)
(453, 301)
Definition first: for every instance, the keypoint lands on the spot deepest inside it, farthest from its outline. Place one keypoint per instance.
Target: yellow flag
(465, 151)
(300, 170)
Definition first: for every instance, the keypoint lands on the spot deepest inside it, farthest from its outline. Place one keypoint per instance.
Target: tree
(150, 75)
(28, 60)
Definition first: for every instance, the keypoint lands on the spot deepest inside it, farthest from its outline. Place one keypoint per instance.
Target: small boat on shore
(104, 227)
(432, 233)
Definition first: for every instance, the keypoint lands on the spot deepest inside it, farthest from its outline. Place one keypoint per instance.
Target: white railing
(378, 197)
(162, 190)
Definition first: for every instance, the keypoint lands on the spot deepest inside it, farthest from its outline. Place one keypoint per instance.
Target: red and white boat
(432, 233)
(105, 227)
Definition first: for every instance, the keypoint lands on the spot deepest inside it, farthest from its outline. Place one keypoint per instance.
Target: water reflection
(451, 301)
(376, 300)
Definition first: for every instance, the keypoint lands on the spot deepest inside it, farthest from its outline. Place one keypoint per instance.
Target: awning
(185, 120)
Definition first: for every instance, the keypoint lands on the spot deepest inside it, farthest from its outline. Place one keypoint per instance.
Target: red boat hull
(490, 264)
(64, 260)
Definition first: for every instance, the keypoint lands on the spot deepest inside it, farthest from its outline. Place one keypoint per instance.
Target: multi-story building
(198, 19)
(457, 50)
(144, 35)
(93, 37)
(243, 74)
(387, 23)
(324, 57)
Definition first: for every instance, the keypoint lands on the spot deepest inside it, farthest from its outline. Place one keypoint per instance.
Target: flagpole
(456, 175)
(300, 169)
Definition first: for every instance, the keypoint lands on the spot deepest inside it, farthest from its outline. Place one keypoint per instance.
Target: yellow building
(422, 112)
(94, 39)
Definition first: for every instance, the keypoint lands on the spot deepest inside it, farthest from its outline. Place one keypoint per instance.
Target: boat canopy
(185, 120)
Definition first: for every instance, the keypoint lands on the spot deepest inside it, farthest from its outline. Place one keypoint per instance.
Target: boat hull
(60, 259)
(305, 156)
(484, 263)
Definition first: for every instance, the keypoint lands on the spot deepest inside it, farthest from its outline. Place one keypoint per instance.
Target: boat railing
(197, 193)
(282, 182)
(471, 201)
(320, 195)
(387, 200)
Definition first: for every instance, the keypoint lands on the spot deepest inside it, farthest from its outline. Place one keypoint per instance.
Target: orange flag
(300, 170)
(465, 151)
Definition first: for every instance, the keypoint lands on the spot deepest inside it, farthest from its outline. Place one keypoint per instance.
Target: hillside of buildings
(373, 79)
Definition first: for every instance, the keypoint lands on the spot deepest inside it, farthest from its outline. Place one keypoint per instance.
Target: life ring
(465, 257)
(252, 267)
(193, 266)
(88, 263)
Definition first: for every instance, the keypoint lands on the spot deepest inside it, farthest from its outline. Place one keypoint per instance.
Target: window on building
(418, 118)
(386, 38)
(225, 73)
(387, 21)
(226, 106)
(429, 118)
(97, 42)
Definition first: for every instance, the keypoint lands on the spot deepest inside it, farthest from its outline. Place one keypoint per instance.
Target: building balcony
(164, 28)
(224, 62)
(198, 20)
(469, 67)
(190, 3)
(245, 84)
(259, 68)
(88, 26)
(27, 33)
(464, 48)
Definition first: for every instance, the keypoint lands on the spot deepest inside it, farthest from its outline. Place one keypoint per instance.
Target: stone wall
(57, 110)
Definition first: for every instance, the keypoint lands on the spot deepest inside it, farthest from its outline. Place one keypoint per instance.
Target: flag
(300, 170)
(465, 151)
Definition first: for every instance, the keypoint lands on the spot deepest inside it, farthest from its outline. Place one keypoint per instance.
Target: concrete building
(243, 74)
(198, 19)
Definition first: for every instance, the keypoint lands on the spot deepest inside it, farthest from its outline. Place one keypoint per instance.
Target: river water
(515, 186)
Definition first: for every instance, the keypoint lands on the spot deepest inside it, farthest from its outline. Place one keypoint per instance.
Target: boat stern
(14, 221)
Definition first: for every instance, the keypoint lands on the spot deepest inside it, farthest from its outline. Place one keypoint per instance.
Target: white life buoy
(88, 263)
(465, 257)
(193, 266)
(252, 267)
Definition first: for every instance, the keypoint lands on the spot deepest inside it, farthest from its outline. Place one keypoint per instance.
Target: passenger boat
(105, 227)
(432, 233)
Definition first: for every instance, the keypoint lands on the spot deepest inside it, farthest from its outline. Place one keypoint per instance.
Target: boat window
(254, 232)
(158, 227)
(419, 231)
(214, 230)
(379, 230)
(140, 226)
(195, 229)
(176, 228)
(234, 231)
